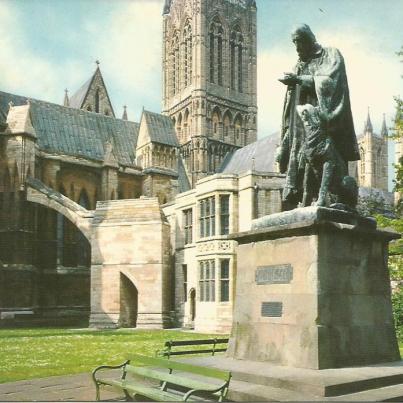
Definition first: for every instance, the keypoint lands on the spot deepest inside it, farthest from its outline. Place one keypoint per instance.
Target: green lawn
(36, 353)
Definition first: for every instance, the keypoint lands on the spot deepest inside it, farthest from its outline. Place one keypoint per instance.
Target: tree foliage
(396, 247)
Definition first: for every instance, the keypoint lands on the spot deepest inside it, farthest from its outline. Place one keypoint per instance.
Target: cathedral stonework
(371, 170)
(209, 79)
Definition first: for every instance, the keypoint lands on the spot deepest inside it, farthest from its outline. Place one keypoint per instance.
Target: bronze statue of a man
(315, 156)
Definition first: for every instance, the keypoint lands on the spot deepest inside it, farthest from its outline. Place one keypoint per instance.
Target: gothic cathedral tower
(209, 78)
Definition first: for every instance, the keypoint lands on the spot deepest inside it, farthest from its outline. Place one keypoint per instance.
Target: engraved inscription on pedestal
(272, 309)
(279, 274)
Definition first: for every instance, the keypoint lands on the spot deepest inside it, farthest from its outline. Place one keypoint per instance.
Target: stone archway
(126, 236)
(128, 302)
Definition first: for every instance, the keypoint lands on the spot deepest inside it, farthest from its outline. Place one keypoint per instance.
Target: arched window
(238, 128)
(179, 128)
(379, 165)
(97, 100)
(185, 130)
(216, 120)
(216, 34)
(236, 46)
(175, 64)
(362, 166)
(227, 121)
(187, 54)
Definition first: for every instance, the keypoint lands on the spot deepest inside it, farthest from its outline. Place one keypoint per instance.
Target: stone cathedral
(109, 222)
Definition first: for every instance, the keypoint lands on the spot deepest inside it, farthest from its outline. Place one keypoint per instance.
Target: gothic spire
(124, 116)
(384, 130)
(368, 124)
(66, 101)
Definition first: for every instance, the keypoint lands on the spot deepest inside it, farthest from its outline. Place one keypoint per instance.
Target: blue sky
(49, 45)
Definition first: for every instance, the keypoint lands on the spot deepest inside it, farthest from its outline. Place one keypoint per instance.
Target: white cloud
(132, 50)
(19, 66)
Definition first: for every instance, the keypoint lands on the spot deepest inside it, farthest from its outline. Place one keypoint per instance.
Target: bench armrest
(107, 367)
(222, 388)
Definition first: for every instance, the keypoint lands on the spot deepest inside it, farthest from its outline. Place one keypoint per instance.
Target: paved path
(56, 388)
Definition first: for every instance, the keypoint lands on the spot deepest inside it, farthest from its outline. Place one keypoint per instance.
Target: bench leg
(97, 394)
(127, 396)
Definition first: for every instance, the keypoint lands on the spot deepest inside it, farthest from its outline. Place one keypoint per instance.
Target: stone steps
(392, 393)
(240, 391)
(262, 381)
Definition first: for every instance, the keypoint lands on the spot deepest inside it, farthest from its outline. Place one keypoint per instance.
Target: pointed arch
(227, 123)
(238, 127)
(236, 58)
(128, 302)
(216, 39)
(175, 63)
(179, 127)
(187, 38)
(216, 120)
(186, 128)
(362, 166)
(84, 200)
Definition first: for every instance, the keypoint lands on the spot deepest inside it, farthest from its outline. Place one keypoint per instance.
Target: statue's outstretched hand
(289, 79)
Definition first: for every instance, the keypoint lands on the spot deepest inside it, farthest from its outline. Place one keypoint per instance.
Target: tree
(396, 247)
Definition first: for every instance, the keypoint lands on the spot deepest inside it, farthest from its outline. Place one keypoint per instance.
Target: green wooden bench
(174, 381)
(216, 346)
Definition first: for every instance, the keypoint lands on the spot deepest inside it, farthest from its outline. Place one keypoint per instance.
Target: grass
(38, 353)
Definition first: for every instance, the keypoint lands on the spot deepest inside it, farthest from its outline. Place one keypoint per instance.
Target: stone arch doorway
(128, 302)
(192, 305)
(61, 230)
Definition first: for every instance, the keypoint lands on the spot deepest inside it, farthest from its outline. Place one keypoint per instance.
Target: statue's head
(304, 40)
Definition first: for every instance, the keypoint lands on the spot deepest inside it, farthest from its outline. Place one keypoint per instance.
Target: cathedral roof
(183, 180)
(77, 99)
(160, 128)
(258, 156)
(75, 132)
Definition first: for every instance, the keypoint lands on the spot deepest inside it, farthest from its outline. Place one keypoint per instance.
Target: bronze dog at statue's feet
(325, 172)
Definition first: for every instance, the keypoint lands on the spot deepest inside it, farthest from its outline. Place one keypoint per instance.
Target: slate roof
(160, 128)
(77, 99)
(70, 131)
(183, 180)
(263, 151)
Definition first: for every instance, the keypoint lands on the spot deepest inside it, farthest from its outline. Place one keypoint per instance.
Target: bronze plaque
(279, 274)
(272, 309)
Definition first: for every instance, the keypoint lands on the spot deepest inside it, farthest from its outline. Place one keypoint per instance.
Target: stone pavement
(56, 388)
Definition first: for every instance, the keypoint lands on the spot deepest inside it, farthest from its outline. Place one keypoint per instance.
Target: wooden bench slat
(194, 342)
(185, 352)
(153, 393)
(180, 366)
(174, 379)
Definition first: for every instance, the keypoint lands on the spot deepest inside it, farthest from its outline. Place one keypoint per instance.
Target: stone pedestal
(313, 291)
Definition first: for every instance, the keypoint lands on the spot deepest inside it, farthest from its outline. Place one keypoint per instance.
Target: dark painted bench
(170, 347)
(174, 381)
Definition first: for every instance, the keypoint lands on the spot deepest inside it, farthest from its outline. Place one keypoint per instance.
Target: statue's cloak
(324, 84)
